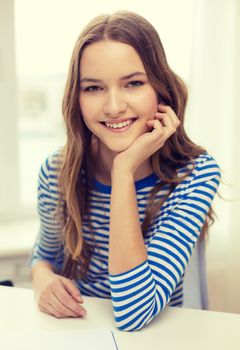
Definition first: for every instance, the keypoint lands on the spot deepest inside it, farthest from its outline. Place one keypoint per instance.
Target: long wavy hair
(76, 171)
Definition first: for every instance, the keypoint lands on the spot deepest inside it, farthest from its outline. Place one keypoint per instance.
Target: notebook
(100, 339)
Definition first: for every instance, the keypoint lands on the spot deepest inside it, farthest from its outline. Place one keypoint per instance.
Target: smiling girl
(124, 202)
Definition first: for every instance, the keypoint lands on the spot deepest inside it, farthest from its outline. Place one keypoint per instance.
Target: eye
(92, 88)
(134, 83)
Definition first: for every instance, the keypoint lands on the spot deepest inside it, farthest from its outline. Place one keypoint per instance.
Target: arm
(126, 244)
(55, 294)
(142, 282)
(140, 293)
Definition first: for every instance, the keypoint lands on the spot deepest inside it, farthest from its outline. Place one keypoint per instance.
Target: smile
(119, 125)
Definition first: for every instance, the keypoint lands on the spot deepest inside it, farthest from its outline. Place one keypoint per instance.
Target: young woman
(124, 202)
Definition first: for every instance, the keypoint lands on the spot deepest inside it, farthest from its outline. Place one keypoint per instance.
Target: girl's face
(116, 98)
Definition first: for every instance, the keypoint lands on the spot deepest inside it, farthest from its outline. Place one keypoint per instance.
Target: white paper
(94, 339)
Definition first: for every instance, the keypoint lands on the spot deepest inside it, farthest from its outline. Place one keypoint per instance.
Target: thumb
(72, 289)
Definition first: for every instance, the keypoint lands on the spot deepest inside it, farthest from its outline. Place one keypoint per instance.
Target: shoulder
(199, 181)
(202, 172)
(52, 164)
(203, 167)
(205, 160)
(206, 168)
(49, 170)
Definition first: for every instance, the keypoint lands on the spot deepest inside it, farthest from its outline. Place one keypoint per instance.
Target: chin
(118, 147)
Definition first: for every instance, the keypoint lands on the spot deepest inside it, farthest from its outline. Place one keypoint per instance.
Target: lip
(119, 130)
(116, 121)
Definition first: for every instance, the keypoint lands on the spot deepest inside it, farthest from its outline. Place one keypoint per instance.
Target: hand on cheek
(163, 125)
(167, 118)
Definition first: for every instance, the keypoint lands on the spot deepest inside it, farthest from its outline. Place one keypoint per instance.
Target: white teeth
(119, 125)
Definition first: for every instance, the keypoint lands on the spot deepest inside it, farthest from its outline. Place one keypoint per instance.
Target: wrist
(41, 268)
(120, 168)
(121, 174)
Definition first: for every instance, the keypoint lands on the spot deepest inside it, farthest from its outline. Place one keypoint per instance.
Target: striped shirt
(139, 294)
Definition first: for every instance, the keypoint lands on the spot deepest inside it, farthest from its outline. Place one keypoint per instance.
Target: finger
(54, 307)
(72, 289)
(158, 134)
(169, 111)
(164, 108)
(50, 296)
(162, 129)
(58, 305)
(155, 125)
(67, 300)
(55, 312)
(54, 296)
(49, 309)
(166, 121)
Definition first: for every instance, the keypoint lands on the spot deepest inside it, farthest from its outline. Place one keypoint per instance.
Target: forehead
(109, 57)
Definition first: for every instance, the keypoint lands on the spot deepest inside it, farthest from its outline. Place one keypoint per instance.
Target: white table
(174, 328)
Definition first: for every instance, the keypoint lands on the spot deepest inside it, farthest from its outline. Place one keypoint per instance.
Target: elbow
(137, 314)
(133, 324)
(127, 328)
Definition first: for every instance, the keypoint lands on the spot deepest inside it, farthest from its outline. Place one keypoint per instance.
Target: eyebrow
(125, 77)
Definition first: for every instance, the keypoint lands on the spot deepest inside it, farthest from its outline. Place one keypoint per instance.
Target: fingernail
(80, 299)
(83, 313)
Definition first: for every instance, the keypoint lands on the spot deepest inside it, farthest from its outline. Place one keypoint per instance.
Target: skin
(119, 159)
(55, 294)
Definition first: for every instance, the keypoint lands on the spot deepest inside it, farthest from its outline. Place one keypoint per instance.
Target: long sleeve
(140, 294)
(48, 244)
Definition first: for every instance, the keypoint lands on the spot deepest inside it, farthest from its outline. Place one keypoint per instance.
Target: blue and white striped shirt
(139, 294)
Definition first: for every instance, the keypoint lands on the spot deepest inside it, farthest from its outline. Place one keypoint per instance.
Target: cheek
(90, 107)
(153, 102)
(83, 106)
(147, 104)
(85, 111)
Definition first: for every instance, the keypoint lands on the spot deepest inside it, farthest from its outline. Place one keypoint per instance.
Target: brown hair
(76, 173)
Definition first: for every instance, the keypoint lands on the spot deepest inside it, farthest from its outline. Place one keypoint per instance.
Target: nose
(114, 105)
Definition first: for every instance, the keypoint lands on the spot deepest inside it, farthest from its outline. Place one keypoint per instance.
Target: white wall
(9, 184)
(214, 121)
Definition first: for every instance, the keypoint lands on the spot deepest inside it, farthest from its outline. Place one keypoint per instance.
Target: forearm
(126, 244)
